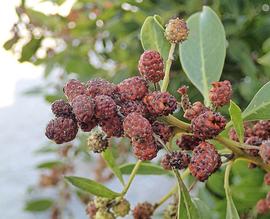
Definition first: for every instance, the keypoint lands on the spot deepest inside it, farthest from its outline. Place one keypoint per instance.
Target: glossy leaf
(202, 55)
(92, 187)
(144, 169)
(152, 36)
(231, 212)
(237, 120)
(258, 108)
(38, 205)
(110, 160)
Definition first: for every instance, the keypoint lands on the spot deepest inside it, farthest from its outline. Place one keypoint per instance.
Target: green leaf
(38, 205)
(202, 55)
(30, 49)
(92, 187)
(237, 120)
(8, 44)
(110, 160)
(186, 208)
(202, 208)
(152, 36)
(258, 108)
(49, 164)
(265, 59)
(144, 169)
(231, 212)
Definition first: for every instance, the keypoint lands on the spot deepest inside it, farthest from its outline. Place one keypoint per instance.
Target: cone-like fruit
(83, 108)
(134, 88)
(61, 108)
(160, 103)
(221, 92)
(170, 212)
(195, 110)
(73, 88)
(254, 141)
(162, 130)
(61, 130)
(205, 161)
(143, 211)
(188, 142)
(177, 159)
(97, 141)
(176, 30)
(104, 214)
(87, 127)
(105, 107)
(208, 125)
(248, 132)
(122, 208)
(112, 126)
(262, 129)
(144, 149)
(131, 106)
(151, 66)
(100, 87)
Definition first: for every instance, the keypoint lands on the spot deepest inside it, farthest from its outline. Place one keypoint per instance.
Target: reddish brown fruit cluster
(105, 107)
(220, 93)
(208, 125)
(73, 88)
(61, 130)
(100, 87)
(61, 108)
(195, 110)
(143, 211)
(248, 132)
(262, 206)
(151, 66)
(160, 103)
(131, 106)
(163, 130)
(177, 159)
(205, 161)
(188, 142)
(255, 141)
(267, 179)
(262, 129)
(134, 88)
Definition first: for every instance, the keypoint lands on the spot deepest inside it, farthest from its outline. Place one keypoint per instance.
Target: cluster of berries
(108, 110)
(205, 124)
(105, 208)
(256, 134)
(263, 205)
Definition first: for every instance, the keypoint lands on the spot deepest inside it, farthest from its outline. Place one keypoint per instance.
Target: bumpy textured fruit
(136, 126)
(265, 151)
(101, 202)
(143, 211)
(134, 88)
(267, 179)
(195, 110)
(112, 127)
(105, 107)
(97, 141)
(205, 161)
(122, 208)
(262, 206)
(100, 87)
(170, 212)
(61, 130)
(165, 162)
(61, 108)
(131, 106)
(255, 141)
(176, 30)
(164, 131)
(87, 127)
(220, 93)
(146, 150)
(83, 108)
(208, 125)
(73, 88)
(262, 129)
(160, 103)
(188, 142)
(91, 210)
(104, 214)
(151, 66)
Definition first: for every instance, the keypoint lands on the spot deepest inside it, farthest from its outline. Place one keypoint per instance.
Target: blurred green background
(101, 39)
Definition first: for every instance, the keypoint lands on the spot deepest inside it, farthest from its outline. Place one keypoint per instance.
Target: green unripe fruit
(101, 203)
(103, 214)
(97, 141)
(122, 208)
